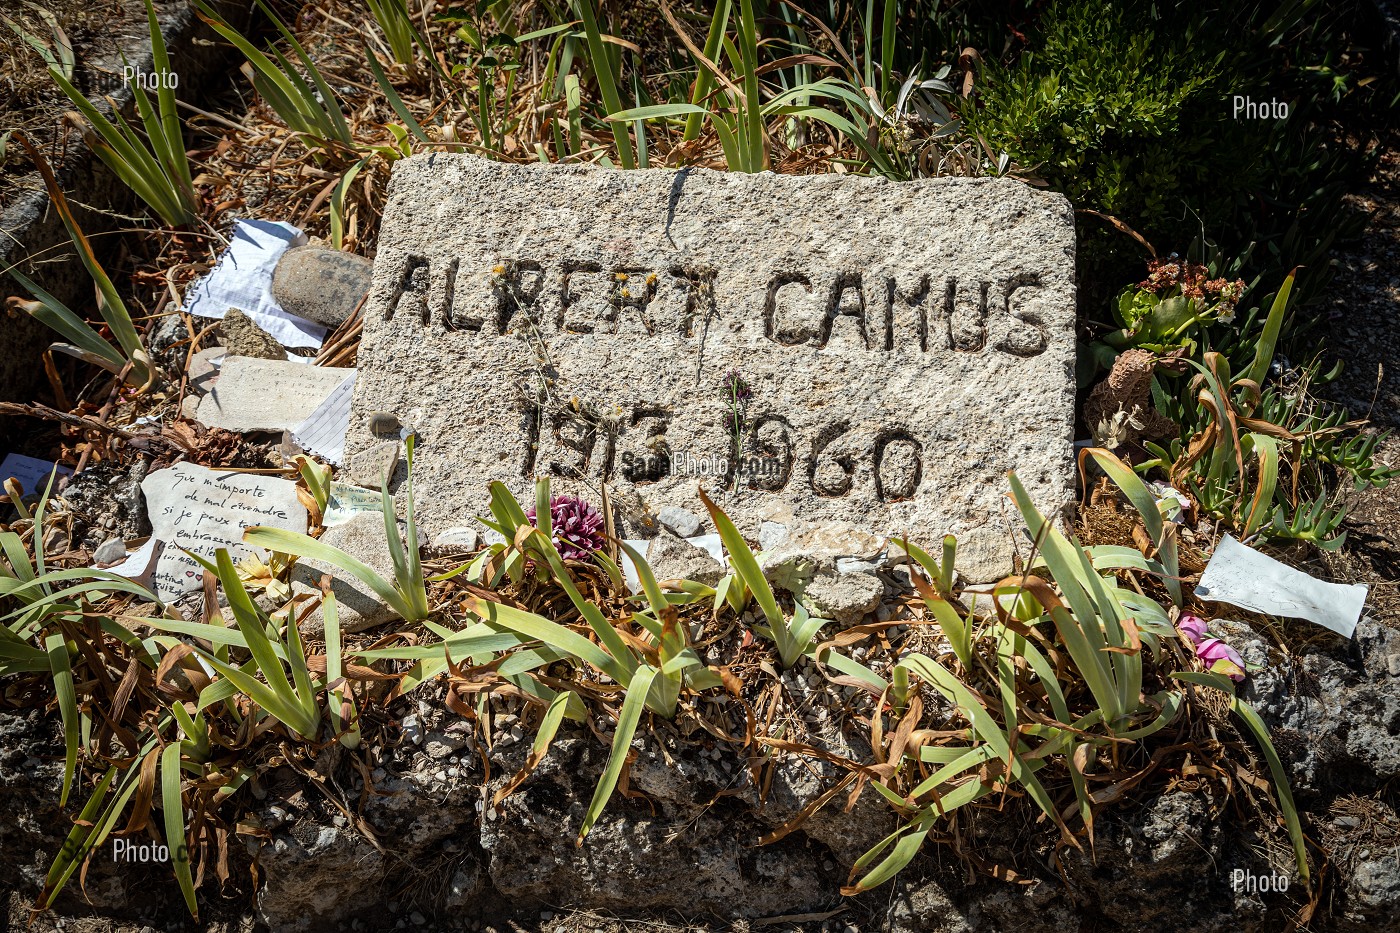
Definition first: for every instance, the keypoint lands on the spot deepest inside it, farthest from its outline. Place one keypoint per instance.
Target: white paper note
(243, 280)
(323, 431)
(31, 472)
(1243, 577)
(267, 395)
(347, 501)
(202, 510)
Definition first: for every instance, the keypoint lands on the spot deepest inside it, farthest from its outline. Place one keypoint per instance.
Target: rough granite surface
(904, 345)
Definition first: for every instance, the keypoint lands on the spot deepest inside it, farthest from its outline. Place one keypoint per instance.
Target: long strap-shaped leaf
(174, 812)
(552, 634)
(1256, 725)
(57, 647)
(627, 720)
(1162, 535)
(110, 304)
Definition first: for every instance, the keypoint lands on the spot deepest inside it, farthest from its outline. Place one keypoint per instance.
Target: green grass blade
(174, 812)
(1268, 340)
(745, 564)
(627, 721)
(1132, 486)
(552, 634)
(607, 81)
(300, 545)
(392, 96)
(66, 695)
(57, 316)
(704, 78)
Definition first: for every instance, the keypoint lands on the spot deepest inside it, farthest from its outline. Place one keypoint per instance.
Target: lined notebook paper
(323, 431)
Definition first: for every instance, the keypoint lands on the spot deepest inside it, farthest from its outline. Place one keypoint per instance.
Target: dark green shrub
(1127, 108)
(1128, 114)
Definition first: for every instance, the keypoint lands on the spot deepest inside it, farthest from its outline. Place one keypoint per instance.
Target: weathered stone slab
(904, 345)
(267, 395)
(202, 510)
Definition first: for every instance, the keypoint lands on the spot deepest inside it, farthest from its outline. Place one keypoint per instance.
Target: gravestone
(864, 351)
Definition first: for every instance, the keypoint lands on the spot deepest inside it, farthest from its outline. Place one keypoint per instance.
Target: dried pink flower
(576, 525)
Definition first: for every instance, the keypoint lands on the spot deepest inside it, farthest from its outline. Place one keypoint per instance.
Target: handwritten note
(347, 501)
(267, 395)
(323, 431)
(202, 510)
(1241, 576)
(30, 472)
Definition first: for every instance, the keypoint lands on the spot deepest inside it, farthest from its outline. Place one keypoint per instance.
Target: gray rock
(359, 608)
(203, 372)
(896, 374)
(321, 285)
(243, 337)
(384, 422)
(845, 598)
(458, 539)
(671, 558)
(672, 853)
(110, 496)
(441, 745)
(110, 551)
(853, 565)
(368, 467)
(1332, 706)
(682, 522)
(771, 535)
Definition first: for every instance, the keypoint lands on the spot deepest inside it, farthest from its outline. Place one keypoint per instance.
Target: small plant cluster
(1265, 458)
(1056, 676)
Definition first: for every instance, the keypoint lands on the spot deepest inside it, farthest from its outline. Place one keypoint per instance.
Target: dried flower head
(1193, 281)
(577, 527)
(737, 386)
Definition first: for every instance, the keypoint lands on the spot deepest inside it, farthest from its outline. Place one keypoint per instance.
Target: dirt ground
(1364, 316)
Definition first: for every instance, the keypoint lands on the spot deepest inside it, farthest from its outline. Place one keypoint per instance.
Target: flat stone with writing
(201, 510)
(900, 345)
(267, 395)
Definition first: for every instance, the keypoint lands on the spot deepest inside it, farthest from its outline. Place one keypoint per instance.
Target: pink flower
(577, 527)
(1218, 657)
(1193, 627)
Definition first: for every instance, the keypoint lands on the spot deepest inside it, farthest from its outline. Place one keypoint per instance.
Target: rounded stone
(321, 285)
(110, 551)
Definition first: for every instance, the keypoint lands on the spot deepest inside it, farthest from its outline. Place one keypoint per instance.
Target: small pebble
(418, 918)
(110, 551)
(383, 422)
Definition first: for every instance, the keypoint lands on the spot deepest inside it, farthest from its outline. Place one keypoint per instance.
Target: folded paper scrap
(31, 473)
(243, 280)
(1243, 577)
